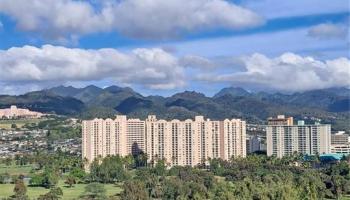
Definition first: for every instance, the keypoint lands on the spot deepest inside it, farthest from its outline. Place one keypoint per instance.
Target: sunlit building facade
(14, 112)
(340, 143)
(286, 139)
(187, 143)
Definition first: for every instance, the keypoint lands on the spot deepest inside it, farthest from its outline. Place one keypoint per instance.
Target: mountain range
(331, 105)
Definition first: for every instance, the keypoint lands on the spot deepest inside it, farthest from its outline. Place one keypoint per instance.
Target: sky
(162, 47)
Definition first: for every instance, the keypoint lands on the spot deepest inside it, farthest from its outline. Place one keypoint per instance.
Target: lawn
(15, 169)
(6, 190)
(6, 124)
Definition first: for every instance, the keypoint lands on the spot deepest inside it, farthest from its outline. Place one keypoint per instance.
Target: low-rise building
(340, 143)
(14, 112)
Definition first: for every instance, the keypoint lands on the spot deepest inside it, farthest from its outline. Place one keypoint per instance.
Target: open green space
(15, 169)
(74, 192)
(6, 124)
(253, 177)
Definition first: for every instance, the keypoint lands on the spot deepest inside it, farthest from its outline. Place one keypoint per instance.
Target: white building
(255, 143)
(340, 143)
(306, 139)
(14, 112)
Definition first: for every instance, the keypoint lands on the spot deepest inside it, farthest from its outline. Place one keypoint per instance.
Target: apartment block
(189, 142)
(306, 139)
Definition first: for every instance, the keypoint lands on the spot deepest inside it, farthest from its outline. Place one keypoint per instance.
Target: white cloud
(288, 72)
(150, 68)
(328, 31)
(155, 19)
(156, 69)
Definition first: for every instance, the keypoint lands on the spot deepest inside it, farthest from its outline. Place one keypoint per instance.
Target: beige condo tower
(189, 142)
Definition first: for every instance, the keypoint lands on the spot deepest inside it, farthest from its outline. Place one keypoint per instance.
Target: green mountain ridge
(44, 101)
(330, 105)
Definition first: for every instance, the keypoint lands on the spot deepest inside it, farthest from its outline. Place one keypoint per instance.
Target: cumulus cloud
(328, 31)
(288, 72)
(150, 19)
(157, 69)
(150, 68)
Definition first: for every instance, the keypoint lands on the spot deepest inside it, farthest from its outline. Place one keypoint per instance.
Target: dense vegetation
(255, 177)
(59, 128)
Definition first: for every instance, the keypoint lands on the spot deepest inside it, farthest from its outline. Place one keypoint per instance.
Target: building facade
(255, 143)
(340, 143)
(284, 140)
(189, 142)
(280, 120)
(14, 112)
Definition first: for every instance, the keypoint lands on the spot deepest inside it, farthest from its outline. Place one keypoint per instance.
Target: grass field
(6, 190)
(6, 124)
(15, 170)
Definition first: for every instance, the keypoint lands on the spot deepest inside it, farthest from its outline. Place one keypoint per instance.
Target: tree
(222, 190)
(94, 191)
(8, 161)
(20, 190)
(53, 194)
(172, 189)
(129, 161)
(150, 180)
(13, 126)
(78, 173)
(141, 159)
(110, 170)
(160, 168)
(134, 190)
(337, 183)
(50, 178)
(70, 181)
(310, 186)
(36, 180)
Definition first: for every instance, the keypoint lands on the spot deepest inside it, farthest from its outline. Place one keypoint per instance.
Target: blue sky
(163, 47)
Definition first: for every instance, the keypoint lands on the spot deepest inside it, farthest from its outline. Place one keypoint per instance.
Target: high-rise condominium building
(306, 139)
(188, 142)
